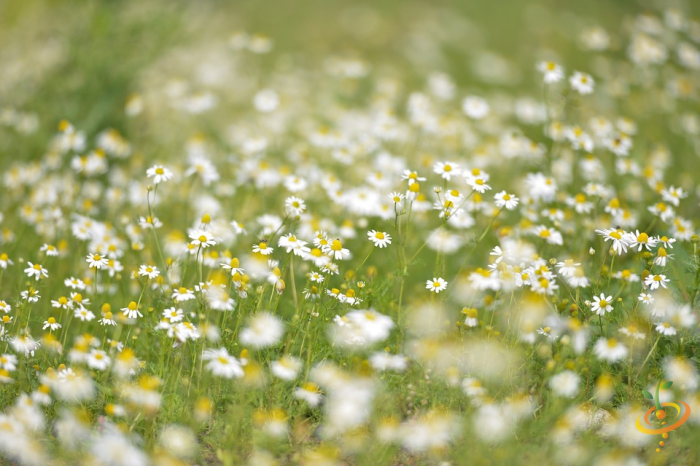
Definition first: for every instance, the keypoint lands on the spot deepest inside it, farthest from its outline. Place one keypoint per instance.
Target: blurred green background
(80, 60)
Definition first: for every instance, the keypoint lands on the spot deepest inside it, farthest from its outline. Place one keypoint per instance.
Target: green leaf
(647, 395)
(666, 385)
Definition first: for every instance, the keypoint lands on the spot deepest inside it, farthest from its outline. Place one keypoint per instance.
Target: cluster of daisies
(311, 281)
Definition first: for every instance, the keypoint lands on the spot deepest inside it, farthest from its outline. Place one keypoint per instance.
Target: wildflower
(618, 238)
(582, 82)
(295, 205)
(379, 238)
(664, 328)
(263, 330)
(446, 170)
(602, 304)
(478, 184)
(565, 383)
(567, 268)
(552, 72)
(309, 392)
(98, 360)
(646, 298)
(263, 248)
(31, 295)
(131, 311)
(292, 243)
(222, 364)
(475, 107)
(202, 238)
(182, 294)
(50, 250)
(51, 324)
(62, 302)
(5, 261)
(336, 250)
(642, 240)
(503, 199)
(85, 315)
(653, 281)
(159, 174)
(471, 318)
(632, 331)
(96, 261)
(662, 257)
(149, 271)
(609, 350)
(36, 271)
(74, 283)
(173, 315)
(286, 368)
(409, 176)
(107, 319)
(436, 285)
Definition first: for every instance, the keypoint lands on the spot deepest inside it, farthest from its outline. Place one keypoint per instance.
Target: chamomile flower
(295, 205)
(202, 238)
(475, 107)
(409, 176)
(505, 200)
(619, 239)
(98, 360)
(645, 298)
(567, 268)
(222, 364)
(446, 170)
(602, 304)
(654, 281)
(581, 82)
(551, 71)
(640, 240)
(182, 294)
(51, 324)
(336, 250)
(31, 295)
(263, 248)
(478, 184)
(49, 249)
(379, 238)
(664, 328)
(96, 261)
(397, 198)
(74, 283)
(62, 302)
(149, 271)
(36, 271)
(5, 261)
(609, 350)
(159, 174)
(107, 319)
(131, 311)
(436, 285)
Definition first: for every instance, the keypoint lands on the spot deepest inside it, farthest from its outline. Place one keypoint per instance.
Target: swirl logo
(666, 420)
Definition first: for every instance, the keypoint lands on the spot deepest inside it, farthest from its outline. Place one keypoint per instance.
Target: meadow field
(349, 233)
